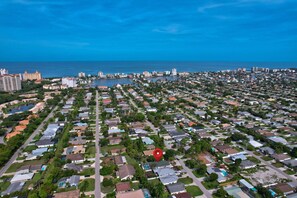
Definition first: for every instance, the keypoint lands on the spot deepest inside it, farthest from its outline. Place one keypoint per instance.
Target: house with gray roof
(147, 140)
(246, 164)
(45, 143)
(13, 187)
(267, 150)
(126, 171)
(168, 179)
(176, 188)
(222, 174)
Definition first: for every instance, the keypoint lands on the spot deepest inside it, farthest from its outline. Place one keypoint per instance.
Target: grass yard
(186, 180)
(87, 185)
(4, 186)
(30, 148)
(253, 159)
(108, 148)
(154, 181)
(108, 189)
(131, 160)
(210, 185)
(14, 167)
(34, 180)
(266, 158)
(290, 172)
(194, 191)
(197, 175)
(257, 153)
(88, 171)
(135, 185)
(278, 164)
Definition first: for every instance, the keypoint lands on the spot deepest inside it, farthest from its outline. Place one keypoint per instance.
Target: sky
(217, 30)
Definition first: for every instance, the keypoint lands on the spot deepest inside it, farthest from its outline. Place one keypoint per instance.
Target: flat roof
(246, 184)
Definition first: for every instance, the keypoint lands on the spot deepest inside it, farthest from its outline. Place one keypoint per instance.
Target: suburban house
(126, 171)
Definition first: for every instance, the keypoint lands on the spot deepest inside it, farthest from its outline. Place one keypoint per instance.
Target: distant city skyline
(219, 30)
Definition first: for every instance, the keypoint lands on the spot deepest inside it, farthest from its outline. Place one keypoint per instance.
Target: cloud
(238, 3)
(170, 29)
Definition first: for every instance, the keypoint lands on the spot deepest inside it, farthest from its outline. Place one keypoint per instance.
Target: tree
(238, 162)
(157, 190)
(169, 154)
(2, 132)
(192, 164)
(264, 192)
(150, 158)
(212, 177)
(106, 170)
(294, 152)
(201, 170)
(220, 193)
(107, 182)
(227, 140)
(238, 136)
(104, 142)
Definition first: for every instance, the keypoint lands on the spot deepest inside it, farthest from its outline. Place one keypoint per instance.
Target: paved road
(188, 115)
(15, 155)
(195, 179)
(273, 167)
(141, 111)
(97, 162)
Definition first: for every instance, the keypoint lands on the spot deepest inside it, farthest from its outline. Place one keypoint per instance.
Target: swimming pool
(224, 172)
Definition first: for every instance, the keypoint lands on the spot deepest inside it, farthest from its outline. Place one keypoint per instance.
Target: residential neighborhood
(222, 134)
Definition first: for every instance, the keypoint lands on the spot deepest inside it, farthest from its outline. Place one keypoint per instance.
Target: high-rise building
(81, 74)
(3, 71)
(70, 82)
(174, 72)
(10, 82)
(32, 76)
(100, 74)
(146, 74)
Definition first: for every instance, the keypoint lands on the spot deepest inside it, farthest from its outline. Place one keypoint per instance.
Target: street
(273, 167)
(15, 155)
(97, 162)
(195, 179)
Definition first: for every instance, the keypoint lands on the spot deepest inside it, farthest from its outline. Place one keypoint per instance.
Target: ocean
(62, 69)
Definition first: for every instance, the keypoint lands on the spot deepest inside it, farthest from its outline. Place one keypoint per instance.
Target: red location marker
(158, 154)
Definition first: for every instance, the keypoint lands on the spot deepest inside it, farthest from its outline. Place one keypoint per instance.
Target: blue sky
(218, 30)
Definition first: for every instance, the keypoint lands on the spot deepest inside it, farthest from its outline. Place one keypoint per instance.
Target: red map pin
(158, 154)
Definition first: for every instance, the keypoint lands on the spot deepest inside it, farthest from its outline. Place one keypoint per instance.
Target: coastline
(72, 68)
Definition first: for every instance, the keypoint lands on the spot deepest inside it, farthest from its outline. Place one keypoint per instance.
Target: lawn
(131, 160)
(21, 158)
(267, 158)
(290, 172)
(30, 148)
(107, 189)
(135, 185)
(87, 185)
(257, 153)
(194, 191)
(197, 175)
(253, 159)
(105, 149)
(91, 149)
(154, 181)
(34, 180)
(4, 186)
(14, 167)
(278, 164)
(186, 180)
(210, 185)
(88, 171)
